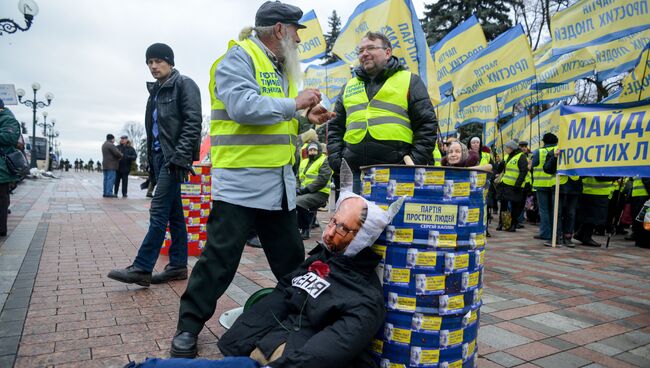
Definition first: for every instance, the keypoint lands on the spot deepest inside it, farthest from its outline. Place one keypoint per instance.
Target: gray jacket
(110, 156)
(178, 101)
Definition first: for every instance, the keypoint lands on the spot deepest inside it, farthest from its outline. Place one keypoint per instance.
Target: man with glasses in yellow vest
(383, 114)
(253, 133)
(314, 176)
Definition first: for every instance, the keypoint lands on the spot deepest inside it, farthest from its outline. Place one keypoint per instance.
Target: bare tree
(135, 131)
(535, 17)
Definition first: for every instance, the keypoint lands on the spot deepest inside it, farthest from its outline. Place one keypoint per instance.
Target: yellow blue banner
(312, 42)
(504, 63)
(489, 133)
(479, 112)
(618, 56)
(445, 112)
(546, 122)
(398, 20)
(515, 128)
(457, 46)
(329, 79)
(549, 95)
(605, 140)
(592, 22)
(636, 85)
(565, 68)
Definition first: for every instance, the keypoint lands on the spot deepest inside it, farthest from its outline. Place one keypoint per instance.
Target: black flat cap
(272, 12)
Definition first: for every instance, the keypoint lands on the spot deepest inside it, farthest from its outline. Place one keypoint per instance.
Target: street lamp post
(29, 9)
(34, 104)
(46, 135)
(51, 136)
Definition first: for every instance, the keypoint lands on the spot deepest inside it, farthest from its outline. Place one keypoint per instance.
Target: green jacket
(9, 133)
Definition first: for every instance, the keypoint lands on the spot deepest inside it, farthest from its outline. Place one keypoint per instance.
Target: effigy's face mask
(376, 220)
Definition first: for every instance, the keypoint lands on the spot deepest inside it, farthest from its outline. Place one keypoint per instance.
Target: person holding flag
(383, 115)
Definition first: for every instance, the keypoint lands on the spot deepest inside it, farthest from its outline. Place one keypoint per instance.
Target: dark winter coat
(513, 193)
(371, 151)
(332, 330)
(128, 156)
(110, 156)
(9, 133)
(571, 186)
(178, 102)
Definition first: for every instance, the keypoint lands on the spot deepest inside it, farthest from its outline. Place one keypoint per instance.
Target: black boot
(131, 275)
(169, 274)
(184, 345)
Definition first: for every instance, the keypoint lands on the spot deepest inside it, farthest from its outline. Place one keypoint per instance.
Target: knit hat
(549, 138)
(313, 145)
(160, 51)
(512, 145)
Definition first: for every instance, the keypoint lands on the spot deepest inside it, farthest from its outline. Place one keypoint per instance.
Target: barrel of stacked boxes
(197, 202)
(432, 268)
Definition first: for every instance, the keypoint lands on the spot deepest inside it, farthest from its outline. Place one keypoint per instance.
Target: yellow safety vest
(237, 144)
(385, 117)
(307, 177)
(485, 158)
(512, 172)
(437, 157)
(540, 178)
(638, 189)
(594, 187)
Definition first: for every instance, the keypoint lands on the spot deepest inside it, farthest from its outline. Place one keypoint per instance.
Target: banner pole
(645, 68)
(556, 202)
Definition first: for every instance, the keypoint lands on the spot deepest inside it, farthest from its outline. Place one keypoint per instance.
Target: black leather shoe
(131, 275)
(590, 242)
(183, 345)
(254, 242)
(520, 226)
(170, 274)
(304, 234)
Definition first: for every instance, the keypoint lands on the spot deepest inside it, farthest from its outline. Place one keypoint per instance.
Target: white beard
(291, 64)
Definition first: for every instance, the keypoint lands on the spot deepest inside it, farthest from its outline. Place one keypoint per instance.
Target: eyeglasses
(361, 50)
(340, 228)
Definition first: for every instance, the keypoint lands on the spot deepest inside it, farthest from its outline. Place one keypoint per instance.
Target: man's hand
(319, 115)
(558, 152)
(408, 161)
(307, 98)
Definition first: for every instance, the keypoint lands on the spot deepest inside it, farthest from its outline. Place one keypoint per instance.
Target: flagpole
(645, 68)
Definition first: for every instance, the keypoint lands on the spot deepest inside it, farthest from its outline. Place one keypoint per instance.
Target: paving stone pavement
(543, 307)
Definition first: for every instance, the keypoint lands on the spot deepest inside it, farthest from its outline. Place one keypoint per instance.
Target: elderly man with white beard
(253, 132)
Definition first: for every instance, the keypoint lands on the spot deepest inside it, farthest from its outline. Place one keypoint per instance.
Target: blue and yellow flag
(546, 122)
(312, 44)
(618, 56)
(605, 140)
(565, 68)
(457, 46)
(636, 85)
(489, 133)
(446, 114)
(549, 95)
(504, 63)
(589, 22)
(398, 20)
(329, 79)
(479, 112)
(514, 129)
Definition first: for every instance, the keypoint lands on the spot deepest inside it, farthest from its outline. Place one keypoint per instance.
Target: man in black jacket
(399, 123)
(173, 124)
(124, 168)
(326, 312)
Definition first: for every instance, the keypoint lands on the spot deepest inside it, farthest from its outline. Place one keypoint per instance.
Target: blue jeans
(545, 204)
(109, 182)
(166, 207)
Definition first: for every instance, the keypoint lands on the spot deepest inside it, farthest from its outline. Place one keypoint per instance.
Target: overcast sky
(90, 55)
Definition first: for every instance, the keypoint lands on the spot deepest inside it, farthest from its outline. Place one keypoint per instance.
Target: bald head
(345, 224)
